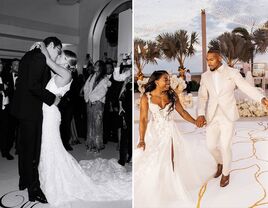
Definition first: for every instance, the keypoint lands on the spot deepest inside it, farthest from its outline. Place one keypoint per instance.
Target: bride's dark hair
(72, 60)
(150, 86)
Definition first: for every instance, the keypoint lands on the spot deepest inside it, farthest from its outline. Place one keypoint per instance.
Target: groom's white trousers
(219, 134)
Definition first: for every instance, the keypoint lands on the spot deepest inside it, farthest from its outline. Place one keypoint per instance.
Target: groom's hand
(200, 121)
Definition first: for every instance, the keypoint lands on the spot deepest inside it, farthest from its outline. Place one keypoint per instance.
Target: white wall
(94, 40)
(124, 34)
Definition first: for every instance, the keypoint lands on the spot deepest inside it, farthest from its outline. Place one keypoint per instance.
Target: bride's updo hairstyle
(151, 85)
(72, 60)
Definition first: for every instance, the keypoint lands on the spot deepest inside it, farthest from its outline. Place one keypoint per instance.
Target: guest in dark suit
(5, 144)
(13, 123)
(125, 111)
(66, 107)
(29, 96)
(113, 122)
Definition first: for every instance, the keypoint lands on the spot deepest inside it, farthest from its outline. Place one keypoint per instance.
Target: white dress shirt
(5, 100)
(216, 78)
(14, 78)
(188, 77)
(120, 77)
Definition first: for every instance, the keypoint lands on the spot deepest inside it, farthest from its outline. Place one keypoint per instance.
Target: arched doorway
(97, 42)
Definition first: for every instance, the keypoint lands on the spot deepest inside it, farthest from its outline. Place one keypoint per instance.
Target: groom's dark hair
(214, 50)
(53, 40)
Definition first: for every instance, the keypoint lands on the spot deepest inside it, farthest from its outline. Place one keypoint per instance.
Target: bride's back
(62, 81)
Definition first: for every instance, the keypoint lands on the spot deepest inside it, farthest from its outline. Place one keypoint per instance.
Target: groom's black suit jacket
(30, 92)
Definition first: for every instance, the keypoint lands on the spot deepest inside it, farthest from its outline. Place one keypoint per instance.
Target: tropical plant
(232, 47)
(257, 40)
(177, 46)
(145, 52)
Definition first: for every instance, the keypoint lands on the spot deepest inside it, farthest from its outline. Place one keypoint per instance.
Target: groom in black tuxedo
(29, 96)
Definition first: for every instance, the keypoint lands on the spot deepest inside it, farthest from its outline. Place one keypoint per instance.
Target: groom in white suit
(217, 108)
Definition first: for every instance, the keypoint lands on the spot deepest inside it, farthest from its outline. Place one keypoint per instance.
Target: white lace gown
(156, 183)
(63, 179)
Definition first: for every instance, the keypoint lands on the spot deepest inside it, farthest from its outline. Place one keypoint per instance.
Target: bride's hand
(43, 49)
(41, 46)
(141, 145)
(35, 45)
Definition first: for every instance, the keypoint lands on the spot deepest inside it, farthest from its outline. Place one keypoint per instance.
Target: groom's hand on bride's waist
(200, 121)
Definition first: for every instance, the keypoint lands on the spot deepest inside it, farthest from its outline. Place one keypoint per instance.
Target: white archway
(96, 28)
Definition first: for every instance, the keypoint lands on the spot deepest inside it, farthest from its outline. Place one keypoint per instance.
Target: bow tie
(15, 75)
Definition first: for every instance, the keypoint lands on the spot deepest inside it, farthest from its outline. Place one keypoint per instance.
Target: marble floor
(10, 196)
(249, 176)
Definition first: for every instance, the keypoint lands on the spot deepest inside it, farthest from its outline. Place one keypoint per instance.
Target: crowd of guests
(98, 108)
(107, 93)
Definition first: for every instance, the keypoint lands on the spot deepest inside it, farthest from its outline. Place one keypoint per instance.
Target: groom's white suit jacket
(228, 79)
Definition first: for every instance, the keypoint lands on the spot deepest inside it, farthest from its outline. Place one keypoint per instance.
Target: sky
(153, 17)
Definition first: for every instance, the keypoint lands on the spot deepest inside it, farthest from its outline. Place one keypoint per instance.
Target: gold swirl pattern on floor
(253, 139)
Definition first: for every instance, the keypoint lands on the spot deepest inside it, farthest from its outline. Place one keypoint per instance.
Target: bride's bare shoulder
(61, 81)
(144, 99)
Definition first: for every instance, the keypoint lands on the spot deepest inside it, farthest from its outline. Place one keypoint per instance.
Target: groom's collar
(220, 69)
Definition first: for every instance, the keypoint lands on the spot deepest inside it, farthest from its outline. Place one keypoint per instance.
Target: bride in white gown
(62, 178)
(165, 169)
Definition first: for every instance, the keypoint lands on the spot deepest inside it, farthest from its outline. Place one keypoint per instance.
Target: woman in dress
(95, 90)
(164, 173)
(62, 178)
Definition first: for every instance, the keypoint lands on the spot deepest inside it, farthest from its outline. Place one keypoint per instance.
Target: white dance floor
(10, 196)
(249, 177)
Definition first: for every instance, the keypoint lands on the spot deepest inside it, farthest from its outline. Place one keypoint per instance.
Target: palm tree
(233, 48)
(177, 45)
(257, 40)
(144, 52)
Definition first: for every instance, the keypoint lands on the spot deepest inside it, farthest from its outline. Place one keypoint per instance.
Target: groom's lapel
(211, 83)
(223, 80)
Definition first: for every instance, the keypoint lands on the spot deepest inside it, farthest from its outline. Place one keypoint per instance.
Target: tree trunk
(252, 60)
(181, 64)
(140, 75)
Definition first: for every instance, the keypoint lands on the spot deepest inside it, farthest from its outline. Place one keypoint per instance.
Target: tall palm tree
(256, 39)
(144, 52)
(233, 48)
(177, 45)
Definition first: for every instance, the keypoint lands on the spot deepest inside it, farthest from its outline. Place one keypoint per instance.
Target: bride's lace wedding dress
(63, 179)
(160, 181)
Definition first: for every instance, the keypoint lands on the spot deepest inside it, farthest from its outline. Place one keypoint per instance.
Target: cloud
(152, 17)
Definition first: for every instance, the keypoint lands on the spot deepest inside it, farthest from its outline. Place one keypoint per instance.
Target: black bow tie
(15, 74)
